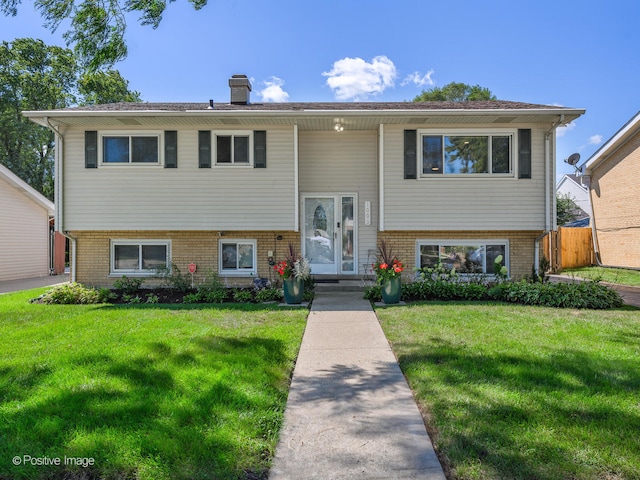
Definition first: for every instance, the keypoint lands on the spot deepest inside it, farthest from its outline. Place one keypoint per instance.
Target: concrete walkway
(350, 413)
(29, 283)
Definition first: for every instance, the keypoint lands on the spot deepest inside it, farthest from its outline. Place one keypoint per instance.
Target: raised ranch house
(228, 185)
(615, 197)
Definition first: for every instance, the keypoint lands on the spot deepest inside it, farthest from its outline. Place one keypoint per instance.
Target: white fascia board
(612, 144)
(25, 188)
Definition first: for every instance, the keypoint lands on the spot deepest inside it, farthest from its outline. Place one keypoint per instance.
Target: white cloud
(595, 140)
(561, 131)
(418, 79)
(273, 91)
(355, 79)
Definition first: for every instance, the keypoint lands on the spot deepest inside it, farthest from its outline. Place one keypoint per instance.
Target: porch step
(341, 286)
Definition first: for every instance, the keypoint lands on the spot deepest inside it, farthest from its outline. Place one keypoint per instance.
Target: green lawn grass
(147, 392)
(618, 276)
(514, 392)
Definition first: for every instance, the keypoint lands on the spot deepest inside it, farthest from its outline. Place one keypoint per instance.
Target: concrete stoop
(351, 285)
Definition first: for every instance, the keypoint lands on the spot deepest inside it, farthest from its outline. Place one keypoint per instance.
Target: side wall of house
(464, 202)
(616, 206)
(201, 248)
(150, 197)
(24, 235)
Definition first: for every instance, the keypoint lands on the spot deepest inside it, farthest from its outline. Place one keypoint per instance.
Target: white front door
(329, 233)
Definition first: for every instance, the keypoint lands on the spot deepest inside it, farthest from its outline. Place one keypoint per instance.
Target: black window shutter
(204, 149)
(524, 153)
(259, 149)
(410, 158)
(90, 149)
(170, 149)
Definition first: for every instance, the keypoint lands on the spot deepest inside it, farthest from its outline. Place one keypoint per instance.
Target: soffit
(305, 122)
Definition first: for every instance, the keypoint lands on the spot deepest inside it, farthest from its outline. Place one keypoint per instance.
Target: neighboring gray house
(24, 229)
(577, 188)
(228, 185)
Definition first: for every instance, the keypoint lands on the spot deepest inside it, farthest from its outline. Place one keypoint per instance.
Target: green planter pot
(392, 290)
(293, 291)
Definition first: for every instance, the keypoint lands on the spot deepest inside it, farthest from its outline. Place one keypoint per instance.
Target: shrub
(269, 295)
(173, 278)
(74, 294)
(374, 293)
(243, 296)
(129, 286)
(560, 295)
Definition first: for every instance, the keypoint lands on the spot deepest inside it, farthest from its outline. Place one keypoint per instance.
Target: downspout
(548, 202)
(58, 194)
(381, 179)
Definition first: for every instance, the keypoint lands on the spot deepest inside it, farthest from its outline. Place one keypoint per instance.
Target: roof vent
(240, 89)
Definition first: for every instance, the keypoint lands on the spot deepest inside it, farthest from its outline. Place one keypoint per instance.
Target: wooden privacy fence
(570, 247)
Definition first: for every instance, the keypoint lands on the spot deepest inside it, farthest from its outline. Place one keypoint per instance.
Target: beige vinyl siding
(343, 163)
(24, 235)
(150, 197)
(473, 202)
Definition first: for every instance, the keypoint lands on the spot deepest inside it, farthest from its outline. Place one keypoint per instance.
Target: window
(233, 148)
(131, 149)
(443, 154)
(466, 256)
(140, 256)
(237, 257)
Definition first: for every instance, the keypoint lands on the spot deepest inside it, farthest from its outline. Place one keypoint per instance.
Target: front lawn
(145, 391)
(515, 392)
(618, 276)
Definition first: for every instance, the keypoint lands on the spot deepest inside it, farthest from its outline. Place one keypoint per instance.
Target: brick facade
(201, 248)
(521, 245)
(616, 206)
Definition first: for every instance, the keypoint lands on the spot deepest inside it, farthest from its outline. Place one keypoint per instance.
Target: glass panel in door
(348, 264)
(319, 234)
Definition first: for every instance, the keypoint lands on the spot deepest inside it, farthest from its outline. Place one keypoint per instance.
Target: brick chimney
(240, 89)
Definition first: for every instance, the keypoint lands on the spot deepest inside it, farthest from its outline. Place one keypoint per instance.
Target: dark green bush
(243, 296)
(374, 293)
(269, 295)
(129, 286)
(560, 295)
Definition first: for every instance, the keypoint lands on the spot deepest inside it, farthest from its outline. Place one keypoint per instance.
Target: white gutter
(58, 195)
(36, 115)
(381, 178)
(296, 199)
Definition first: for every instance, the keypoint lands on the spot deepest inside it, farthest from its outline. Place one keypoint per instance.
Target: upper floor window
(137, 149)
(233, 148)
(466, 153)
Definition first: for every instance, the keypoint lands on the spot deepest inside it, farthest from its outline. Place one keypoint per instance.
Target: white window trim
(457, 132)
(231, 133)
(471, 242)
(129, 133)
(238, 272)
(137, 272)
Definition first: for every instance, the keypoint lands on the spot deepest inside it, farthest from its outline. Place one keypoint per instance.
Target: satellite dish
(573, 159)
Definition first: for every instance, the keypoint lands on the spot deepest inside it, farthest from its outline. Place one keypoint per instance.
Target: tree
(97, 27)
(566, 209)
(455, 92)
(34, 76)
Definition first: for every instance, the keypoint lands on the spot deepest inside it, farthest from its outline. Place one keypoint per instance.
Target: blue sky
(580, 54)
